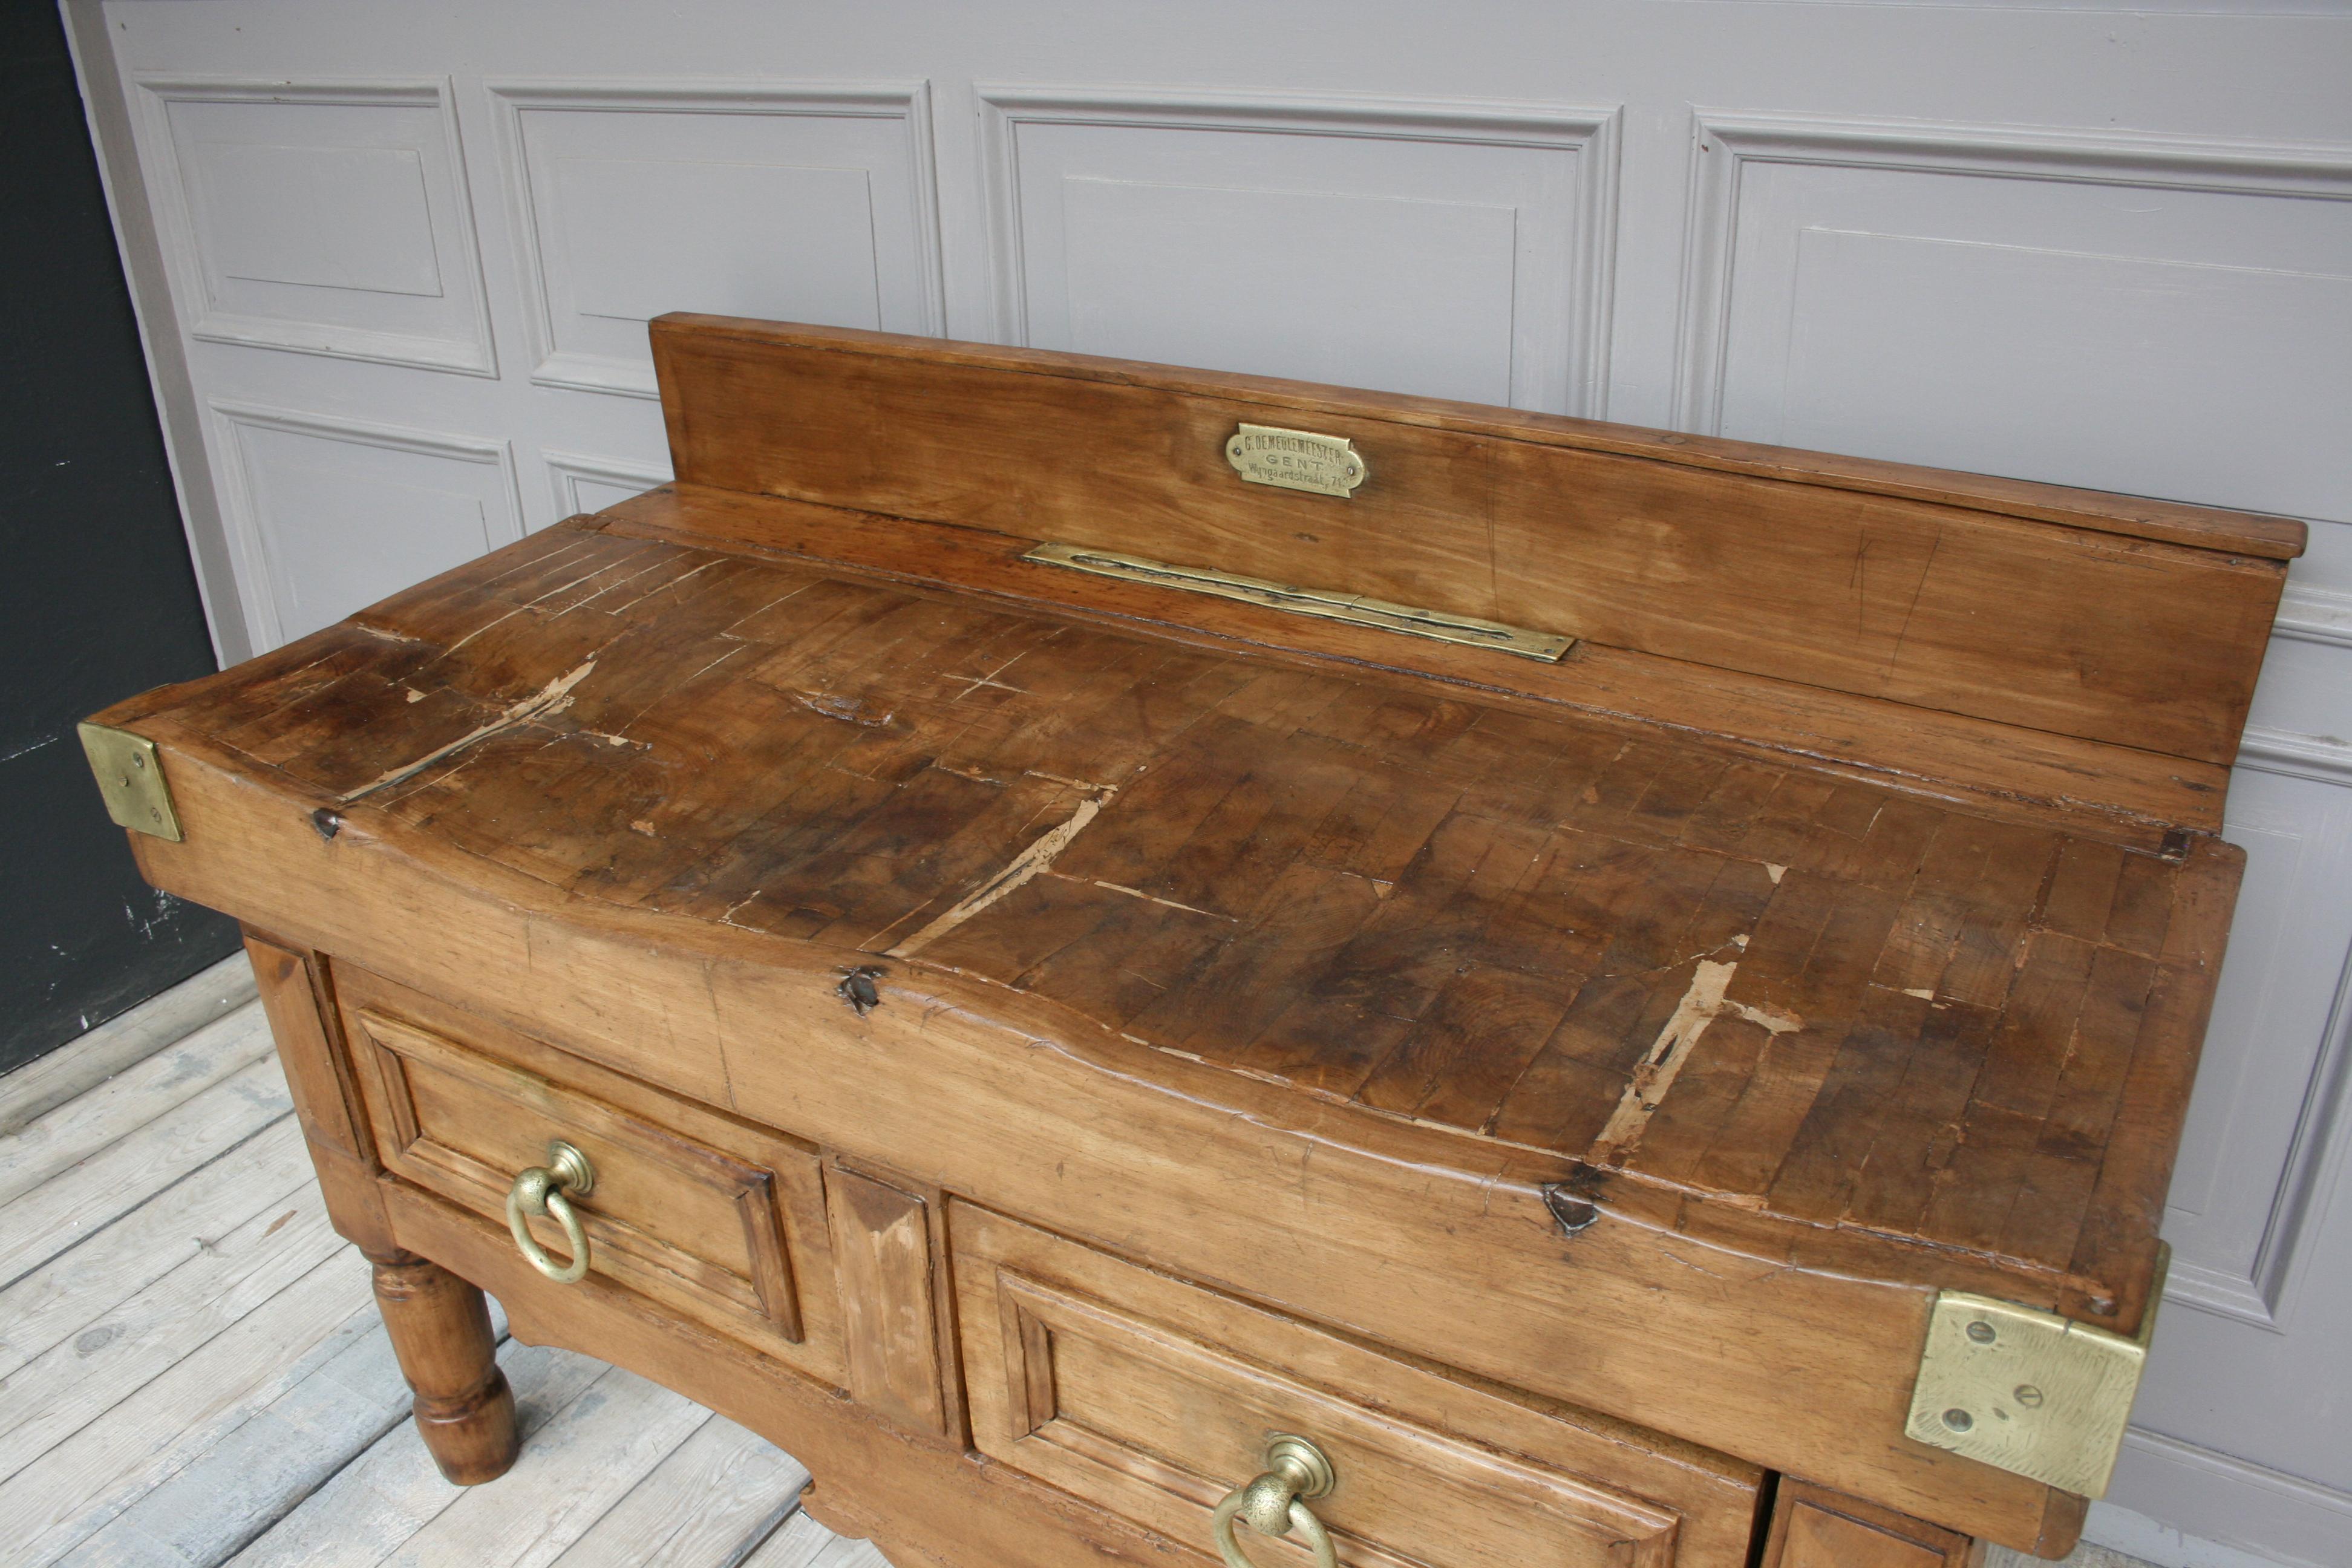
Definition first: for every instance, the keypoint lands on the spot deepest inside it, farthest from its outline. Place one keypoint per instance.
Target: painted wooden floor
(192, 1371)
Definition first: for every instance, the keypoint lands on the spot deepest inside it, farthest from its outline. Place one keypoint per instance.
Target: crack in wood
(1017, 874)
(1653, 1077)
(549, 699)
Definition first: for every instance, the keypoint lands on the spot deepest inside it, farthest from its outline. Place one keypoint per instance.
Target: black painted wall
(97, 599)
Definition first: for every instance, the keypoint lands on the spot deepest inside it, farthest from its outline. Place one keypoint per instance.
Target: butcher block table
(1141, 966)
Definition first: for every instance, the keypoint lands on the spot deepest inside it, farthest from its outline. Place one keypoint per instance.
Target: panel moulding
(1590, 133)
(474, 353)
(511, 98)
(2321, 615)
(1725, 143)
(2293, 1520)
(565, 471)
(2320, 1149)
(230, 419)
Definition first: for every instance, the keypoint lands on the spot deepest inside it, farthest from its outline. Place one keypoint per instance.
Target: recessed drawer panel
(712, 1217)
(1156, 1398)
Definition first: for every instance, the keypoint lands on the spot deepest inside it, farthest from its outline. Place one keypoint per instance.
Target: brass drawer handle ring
(1275, 1503)
(548, 1190)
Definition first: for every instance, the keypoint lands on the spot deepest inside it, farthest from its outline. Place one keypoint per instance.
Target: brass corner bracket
(130, 776)
(2028, 1391)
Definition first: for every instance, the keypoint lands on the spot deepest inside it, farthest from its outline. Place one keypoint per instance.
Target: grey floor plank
(51, 1218)
(129, 1100)
(585, 1459)
(68, 1493)
(712, 1501)
(382, 1497)
(802, 1542)
(79, 1066)
(76, 1383)
(263, 1469)
(72, 1290)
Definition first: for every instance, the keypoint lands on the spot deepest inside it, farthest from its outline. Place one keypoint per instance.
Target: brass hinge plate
(2029, 1391)
(130, 780)
(1327, 604)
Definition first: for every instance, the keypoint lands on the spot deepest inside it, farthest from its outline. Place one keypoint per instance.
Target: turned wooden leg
(440, 1329)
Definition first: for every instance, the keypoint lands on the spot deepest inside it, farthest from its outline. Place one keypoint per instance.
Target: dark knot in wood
(858, 990)
(326, 820)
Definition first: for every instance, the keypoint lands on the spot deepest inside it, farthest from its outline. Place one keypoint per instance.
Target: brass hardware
(1296, 460)
(130, 780)
(2029, 1391)
(1275, 1503)
(1326, 603)
(548, 1190)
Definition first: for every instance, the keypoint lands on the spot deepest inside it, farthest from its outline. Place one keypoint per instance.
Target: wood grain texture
(72, 1384)
(1156, 1397)
(1032, 1107)
(317, 1463)
(277, 1455)
(386, 1494)
(2117, 791)
(721, 1488)
(2143, 517)
(440, 1327)
(297, 992)
(1837, 925)
(66, 1296)
(46, 1222)
(882, 1240)
(721, 1221)
(65, 1495)
(1798, 1001)
(165, 1019)
(2108, 628)
(1815, 1528)
(931, 1505)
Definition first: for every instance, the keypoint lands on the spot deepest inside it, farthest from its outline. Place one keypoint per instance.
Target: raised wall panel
(330, 515)
(2126, 312)
(591, 484)
(2258, 1138)
(1449, 250)
(329, 217)
(807, 203)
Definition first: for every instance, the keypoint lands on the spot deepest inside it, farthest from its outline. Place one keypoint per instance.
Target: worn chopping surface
(1826, 1001)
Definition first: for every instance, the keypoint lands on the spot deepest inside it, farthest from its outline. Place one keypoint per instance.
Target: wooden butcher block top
(1849, 894)
(1824, 1001)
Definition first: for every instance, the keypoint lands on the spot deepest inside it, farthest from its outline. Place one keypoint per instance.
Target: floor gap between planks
(192, 1371)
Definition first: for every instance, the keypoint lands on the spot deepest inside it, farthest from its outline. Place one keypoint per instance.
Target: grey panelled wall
(394, 265)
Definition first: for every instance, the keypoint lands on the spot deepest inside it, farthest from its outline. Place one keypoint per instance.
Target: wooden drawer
(1154, 1398)
(723, 1222)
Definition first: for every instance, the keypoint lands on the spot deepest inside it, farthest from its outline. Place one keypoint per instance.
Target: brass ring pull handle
(548, 1190)
(1275, 1503)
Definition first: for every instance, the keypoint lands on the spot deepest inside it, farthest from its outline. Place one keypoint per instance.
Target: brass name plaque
(1295, 460)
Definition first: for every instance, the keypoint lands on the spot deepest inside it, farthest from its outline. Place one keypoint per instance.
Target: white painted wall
(395, 262)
